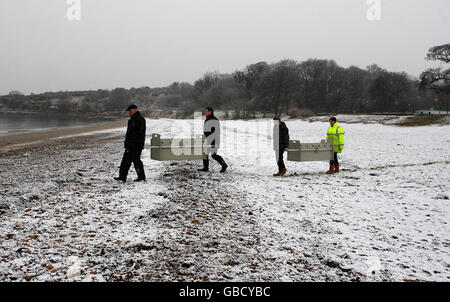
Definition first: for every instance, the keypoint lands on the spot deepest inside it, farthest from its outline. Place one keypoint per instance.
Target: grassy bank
(424, 120)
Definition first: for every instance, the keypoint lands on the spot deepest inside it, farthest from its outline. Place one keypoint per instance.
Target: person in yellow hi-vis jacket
(335, 134)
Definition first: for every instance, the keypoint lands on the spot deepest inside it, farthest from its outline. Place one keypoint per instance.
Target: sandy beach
(15, 140)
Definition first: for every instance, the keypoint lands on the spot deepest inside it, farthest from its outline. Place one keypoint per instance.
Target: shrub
(296, 112)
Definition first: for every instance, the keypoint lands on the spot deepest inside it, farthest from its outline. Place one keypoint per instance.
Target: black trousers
(132, 156)
(215, 156)
(279, 157)
(335, 161)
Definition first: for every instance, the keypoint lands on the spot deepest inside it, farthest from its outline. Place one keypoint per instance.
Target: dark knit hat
(132, 106)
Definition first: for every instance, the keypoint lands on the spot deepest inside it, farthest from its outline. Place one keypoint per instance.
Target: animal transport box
(303, 152)
(172, 149)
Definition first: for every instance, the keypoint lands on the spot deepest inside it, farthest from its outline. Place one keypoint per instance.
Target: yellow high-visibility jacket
(335, 134)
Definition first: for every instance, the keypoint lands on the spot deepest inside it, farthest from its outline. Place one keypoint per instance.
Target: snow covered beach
(384, 217)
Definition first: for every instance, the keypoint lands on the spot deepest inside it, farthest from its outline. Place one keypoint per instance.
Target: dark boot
(139, 166)
(205, 166)
(124, 167)
(221, 161)
(336, 169)
(331, 170)
(224, 168)
(283, 172)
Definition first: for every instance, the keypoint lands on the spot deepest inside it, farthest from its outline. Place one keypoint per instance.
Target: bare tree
(280, 84)
(438, 79)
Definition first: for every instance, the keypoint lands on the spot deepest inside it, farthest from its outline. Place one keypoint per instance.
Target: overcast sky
(133, 43)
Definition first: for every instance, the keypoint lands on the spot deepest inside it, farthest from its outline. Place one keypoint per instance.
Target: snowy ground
(384, 217)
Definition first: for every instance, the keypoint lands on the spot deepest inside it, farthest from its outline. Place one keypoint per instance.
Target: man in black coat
(134, 144)
(211, 129)
(280, 143)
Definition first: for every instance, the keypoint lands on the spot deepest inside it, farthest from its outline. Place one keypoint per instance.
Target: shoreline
(20, 139)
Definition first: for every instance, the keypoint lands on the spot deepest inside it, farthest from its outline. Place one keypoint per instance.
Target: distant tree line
(285, 87)
(312, 86)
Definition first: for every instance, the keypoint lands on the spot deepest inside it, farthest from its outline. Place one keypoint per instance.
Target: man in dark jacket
(211, 129)
(134, 144)
(280, 143)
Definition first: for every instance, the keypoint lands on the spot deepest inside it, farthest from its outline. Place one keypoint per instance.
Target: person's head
(132, 109)
(332, 121)
(208, 111)
(277, 120)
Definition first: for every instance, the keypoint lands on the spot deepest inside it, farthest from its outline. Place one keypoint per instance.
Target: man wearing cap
(335, 135)
(280, 143)
(134, 144)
